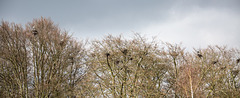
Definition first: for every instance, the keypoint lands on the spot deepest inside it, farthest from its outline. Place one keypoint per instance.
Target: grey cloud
(170, 19)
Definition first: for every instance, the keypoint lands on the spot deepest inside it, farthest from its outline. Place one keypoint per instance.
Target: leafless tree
(40, 61)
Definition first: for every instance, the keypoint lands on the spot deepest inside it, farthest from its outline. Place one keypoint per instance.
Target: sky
(194, 23)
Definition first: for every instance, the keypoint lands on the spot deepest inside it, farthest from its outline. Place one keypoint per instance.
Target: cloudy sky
(195, 23)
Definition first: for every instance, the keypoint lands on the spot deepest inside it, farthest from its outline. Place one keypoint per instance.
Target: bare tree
(14, 60)
(41, 61)
(126, 68)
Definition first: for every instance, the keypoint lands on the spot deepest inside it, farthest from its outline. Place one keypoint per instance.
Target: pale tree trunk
(190, 81)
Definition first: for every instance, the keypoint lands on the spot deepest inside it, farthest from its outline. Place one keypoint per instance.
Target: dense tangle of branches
(41, 60)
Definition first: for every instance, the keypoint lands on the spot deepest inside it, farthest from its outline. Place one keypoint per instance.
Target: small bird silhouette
(107, 54)
(34, 31)
(238, 60)
(215, 62)
(125, 51)
(223, 67)
(131, 59)
(199, 54)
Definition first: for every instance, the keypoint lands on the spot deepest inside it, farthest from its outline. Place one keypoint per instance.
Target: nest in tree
(93, 55)
(117, 62)
(235, 72)
(107, 54)
(71, 58)
(174, 54)
(125, 51)
(61, 43)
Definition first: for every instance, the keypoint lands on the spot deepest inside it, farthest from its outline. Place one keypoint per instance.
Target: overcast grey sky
(195, 23)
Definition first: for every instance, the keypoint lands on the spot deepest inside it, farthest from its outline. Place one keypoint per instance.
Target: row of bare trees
(41, 60)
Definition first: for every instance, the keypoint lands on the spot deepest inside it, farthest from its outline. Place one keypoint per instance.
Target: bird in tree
(125, 51)
(131, 59)
(223, 67)
(199, 54)
(215, 62)
(238, 60)
(34, 31)
(107, 54)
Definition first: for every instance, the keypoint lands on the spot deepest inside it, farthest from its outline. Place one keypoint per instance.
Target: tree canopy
(42, 60)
